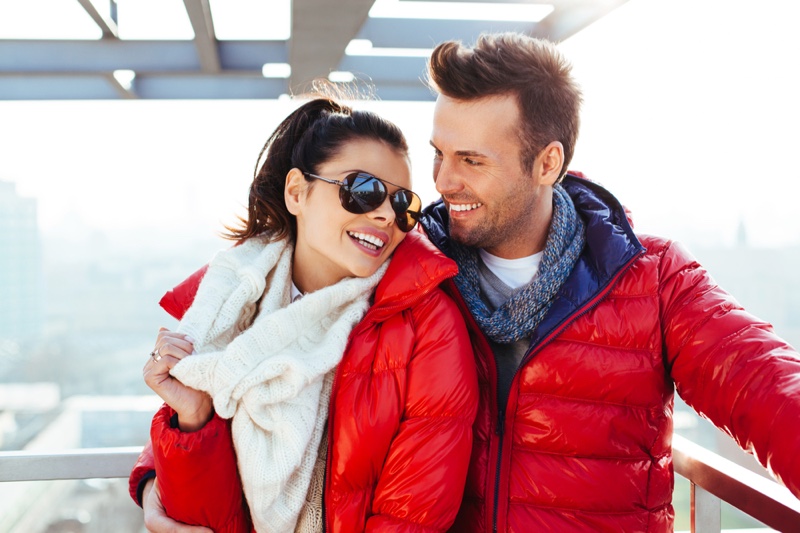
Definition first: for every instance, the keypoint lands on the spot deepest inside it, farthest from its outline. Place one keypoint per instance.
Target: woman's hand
(194, 407)
(155, 516)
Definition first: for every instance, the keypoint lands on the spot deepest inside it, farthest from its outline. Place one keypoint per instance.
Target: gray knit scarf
(519, 316)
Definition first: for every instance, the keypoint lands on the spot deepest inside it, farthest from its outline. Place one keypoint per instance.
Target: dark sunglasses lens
(362, 193)
(407, 206)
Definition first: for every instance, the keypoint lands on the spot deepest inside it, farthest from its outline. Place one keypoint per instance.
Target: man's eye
(471, 162)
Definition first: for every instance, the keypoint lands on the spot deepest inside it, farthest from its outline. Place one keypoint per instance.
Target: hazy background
(691, 118)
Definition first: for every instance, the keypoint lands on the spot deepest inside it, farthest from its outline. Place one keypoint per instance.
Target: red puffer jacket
(583, 441)
(400, 425)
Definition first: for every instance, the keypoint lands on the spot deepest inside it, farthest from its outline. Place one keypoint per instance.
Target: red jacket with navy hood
(400, 424)
(583, 442)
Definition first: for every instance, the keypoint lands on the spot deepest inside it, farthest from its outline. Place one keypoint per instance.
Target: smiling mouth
(368, 241)
(465, 207)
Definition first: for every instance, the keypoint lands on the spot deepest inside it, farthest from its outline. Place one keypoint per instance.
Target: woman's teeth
(370, 241)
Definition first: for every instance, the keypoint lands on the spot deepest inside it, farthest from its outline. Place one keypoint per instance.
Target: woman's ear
(294, 192)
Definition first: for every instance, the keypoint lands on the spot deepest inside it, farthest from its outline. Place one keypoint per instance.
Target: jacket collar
(417, 267)
(611, 247)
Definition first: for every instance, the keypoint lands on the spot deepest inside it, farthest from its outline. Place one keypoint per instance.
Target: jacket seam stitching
(587, 511)
(625, 458)
(590, 400)
(561, 340)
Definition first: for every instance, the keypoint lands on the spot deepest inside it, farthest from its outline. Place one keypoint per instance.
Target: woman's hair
(532, 69)
(309, 137)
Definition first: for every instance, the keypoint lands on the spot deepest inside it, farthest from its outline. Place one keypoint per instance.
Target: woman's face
(332, 243)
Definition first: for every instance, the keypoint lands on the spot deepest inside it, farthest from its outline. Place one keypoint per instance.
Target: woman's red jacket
(400, 424)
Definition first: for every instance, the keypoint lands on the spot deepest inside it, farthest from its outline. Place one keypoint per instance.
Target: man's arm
(730, 366)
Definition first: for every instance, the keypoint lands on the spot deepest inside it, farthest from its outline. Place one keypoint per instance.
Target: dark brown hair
(511, 63)
(310, 136)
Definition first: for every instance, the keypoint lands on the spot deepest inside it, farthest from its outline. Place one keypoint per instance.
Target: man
(582, 329)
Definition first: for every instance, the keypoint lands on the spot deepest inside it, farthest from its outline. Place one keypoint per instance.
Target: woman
(341, 376)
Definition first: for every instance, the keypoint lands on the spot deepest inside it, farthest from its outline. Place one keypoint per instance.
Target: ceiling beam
(164, 86)
(205, 39)
(107, 25)
(101, 56)
(321, 30)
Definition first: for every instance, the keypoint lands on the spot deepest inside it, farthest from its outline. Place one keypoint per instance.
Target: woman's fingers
(169, 339)
(174, 349)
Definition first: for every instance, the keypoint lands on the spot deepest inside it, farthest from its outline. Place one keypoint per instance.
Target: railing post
(706, 511)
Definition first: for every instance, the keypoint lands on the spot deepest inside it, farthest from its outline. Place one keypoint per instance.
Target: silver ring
(156, 355)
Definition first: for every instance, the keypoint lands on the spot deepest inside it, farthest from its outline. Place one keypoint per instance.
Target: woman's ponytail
(283, 151)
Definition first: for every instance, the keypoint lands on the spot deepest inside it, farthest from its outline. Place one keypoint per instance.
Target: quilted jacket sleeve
(730, 366)
(423, 476)
(143, 470)
(197, 474)
(175, 302)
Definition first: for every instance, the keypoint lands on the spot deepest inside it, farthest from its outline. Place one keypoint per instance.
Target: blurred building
(21, 280)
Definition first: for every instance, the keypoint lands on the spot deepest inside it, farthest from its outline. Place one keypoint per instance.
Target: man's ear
(294, 192)
(550, 161)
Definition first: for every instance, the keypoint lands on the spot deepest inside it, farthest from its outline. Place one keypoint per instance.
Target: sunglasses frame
(402, 220)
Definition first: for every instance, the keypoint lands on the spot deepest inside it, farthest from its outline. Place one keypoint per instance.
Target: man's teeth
(370, 241)
(465, 207)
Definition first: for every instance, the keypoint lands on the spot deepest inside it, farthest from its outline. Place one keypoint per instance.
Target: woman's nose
(383, 212)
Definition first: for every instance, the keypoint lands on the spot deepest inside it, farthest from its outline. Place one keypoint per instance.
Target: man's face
(492, 202)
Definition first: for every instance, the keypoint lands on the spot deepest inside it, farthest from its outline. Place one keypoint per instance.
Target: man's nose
(446, 179)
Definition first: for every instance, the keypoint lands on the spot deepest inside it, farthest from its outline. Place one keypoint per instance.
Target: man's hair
(512, 63)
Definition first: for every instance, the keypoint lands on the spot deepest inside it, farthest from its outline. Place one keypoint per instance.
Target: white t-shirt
(513, 272)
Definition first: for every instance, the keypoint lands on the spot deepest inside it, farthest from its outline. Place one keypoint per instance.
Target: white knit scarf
(272, 377)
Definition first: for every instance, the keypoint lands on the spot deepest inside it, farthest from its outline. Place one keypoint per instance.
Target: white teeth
(465, 207)
(371, 241)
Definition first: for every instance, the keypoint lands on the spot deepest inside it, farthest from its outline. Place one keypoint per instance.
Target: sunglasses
(361, 193)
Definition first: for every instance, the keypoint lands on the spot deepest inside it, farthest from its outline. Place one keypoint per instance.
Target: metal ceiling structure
(209, 68)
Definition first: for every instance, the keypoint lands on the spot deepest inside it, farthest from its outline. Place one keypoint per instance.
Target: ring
(156, 355)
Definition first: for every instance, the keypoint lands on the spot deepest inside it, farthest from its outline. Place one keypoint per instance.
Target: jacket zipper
(331, 407)
(500, 430)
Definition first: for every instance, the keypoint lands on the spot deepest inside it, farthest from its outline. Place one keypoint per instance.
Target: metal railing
(713, 479)
(87, 463)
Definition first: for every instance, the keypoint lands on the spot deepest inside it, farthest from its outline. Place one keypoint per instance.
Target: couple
(579, 331)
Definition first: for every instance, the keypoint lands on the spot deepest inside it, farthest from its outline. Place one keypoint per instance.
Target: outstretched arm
(730, 366)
